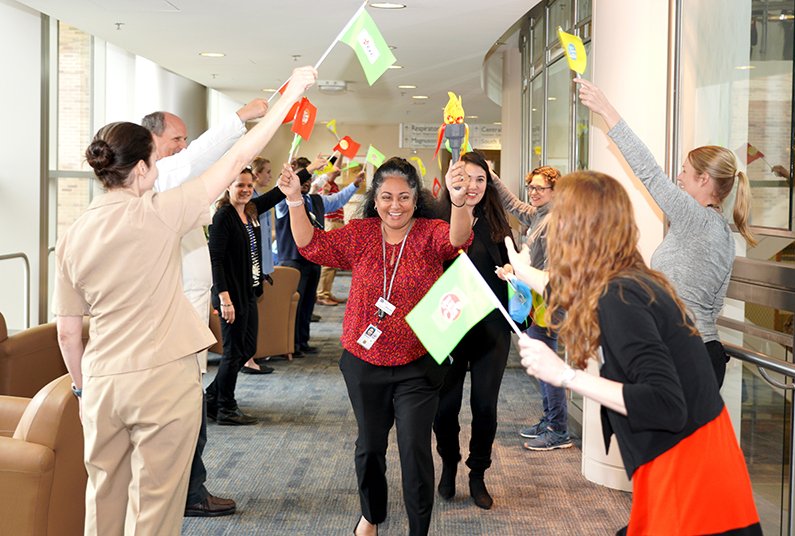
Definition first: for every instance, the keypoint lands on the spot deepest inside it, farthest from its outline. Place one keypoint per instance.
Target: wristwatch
(566, 376)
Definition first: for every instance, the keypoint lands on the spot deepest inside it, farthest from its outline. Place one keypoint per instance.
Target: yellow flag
(575, 51)
(328, 169)
(419, 163)
(332, 126)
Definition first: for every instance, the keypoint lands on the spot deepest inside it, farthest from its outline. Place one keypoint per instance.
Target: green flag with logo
(374, 156)
(371, 49)
(458, 300)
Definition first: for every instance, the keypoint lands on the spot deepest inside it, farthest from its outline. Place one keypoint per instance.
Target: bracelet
(458, 206)
(566, 376)
(78, 392)
(226, 305)
(295, 203)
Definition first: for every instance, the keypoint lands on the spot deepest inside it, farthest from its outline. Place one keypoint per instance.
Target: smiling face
(477, 184)
(690, 181)
(263, 178)
(395, 202)
(174, 137)
(540, 191)
(240, 191)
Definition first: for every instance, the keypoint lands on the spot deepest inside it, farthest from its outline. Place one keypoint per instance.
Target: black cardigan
(230, 250)
(669, 390)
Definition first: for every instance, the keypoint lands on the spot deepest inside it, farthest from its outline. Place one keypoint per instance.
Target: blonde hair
(721, 166)
(259, 164)
(592, 239)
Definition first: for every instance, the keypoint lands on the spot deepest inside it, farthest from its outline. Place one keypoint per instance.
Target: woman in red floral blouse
(395, 254)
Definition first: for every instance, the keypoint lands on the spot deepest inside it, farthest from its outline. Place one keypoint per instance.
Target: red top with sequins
(357, 247)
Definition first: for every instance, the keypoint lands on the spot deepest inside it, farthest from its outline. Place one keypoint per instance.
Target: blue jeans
(556, 411)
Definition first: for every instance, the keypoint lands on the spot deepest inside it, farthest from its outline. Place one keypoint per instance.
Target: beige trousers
(140, 433)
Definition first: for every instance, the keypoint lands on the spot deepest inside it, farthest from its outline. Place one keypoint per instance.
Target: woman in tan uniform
(120, 264)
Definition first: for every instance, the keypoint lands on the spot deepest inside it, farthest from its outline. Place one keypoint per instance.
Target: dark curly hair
(116, 150)
(426, 206)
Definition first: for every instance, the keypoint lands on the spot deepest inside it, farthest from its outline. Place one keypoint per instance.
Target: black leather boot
(477, 488)
(447, 481)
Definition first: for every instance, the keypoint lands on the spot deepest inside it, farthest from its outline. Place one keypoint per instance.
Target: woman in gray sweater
(698, 251)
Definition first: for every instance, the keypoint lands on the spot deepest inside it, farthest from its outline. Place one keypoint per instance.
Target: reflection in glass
(537, 122)
(538, 37)
(582, 122)
(559, 13)
(584, 9)
(558, 99)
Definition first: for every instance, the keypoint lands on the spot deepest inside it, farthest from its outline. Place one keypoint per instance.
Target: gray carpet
(293, 472)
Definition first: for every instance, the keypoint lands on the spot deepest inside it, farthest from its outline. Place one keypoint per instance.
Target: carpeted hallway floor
(292, 474)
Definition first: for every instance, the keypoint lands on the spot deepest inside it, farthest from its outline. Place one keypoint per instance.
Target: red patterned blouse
(357, 247)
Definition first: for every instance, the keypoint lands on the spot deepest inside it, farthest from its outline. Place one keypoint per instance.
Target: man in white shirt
(176, 163)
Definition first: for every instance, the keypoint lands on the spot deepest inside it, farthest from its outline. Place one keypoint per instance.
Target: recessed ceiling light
(407, 87)
(419, 96)
(395, 67)
(270, 90)
(745, 67)
(387, 5)
(497, 123)
(392, 47)
(212, 54)
(471, 117)
(552, 98)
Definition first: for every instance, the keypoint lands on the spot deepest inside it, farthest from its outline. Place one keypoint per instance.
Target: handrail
(26, 297)
(764, 362)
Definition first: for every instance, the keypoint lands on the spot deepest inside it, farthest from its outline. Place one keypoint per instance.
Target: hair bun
(99, 155)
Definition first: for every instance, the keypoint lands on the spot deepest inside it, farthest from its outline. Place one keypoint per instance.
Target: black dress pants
(484, 350)
(240, 345)
(307, 289)
(407, 396)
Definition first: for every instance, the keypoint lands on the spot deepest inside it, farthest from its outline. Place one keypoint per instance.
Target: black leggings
(485, 350)
(240, 345)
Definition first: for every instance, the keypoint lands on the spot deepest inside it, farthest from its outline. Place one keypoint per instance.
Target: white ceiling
(441, 45)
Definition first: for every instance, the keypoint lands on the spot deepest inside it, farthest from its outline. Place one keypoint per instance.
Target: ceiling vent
(332, 87)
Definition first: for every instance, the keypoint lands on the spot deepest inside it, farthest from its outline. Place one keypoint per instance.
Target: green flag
(374, 156)
(456, 302)
(371, 49)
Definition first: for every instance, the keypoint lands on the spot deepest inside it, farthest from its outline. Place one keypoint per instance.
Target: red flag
(305, 119)
(293, 109)
(347, 147)
(437, 187)
(753, 154)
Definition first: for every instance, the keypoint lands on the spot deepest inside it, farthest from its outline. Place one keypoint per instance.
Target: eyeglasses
(540, 189)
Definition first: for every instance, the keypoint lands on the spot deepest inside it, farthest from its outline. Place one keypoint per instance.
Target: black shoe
(477, 488)
(298, 353)
(262, 361)
(211, 507)
(315, 318)
(263, 369)
(310, 349)
(447, 481)
(234, 418)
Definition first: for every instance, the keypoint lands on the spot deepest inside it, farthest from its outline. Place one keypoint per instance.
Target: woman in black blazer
(236, 257)
(484, 350)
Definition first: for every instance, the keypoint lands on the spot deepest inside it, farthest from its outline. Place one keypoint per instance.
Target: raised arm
(290, 185)
(593, 99)
(524, 212)
(457, 181)
(223, 172)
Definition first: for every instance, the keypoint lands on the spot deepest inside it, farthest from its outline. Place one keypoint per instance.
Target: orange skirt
(700, 487)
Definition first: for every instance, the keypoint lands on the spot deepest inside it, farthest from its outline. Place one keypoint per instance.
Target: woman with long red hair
(656, 387)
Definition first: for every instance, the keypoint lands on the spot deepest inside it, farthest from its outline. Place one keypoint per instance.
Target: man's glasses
(531, 188)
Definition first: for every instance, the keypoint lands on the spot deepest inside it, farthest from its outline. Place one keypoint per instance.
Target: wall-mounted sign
(424, 136)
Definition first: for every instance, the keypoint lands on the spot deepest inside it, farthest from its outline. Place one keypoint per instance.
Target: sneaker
(549, 439)
(532, 432)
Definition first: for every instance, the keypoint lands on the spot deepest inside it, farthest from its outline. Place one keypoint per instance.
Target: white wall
(629, 58)
(20, 32)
